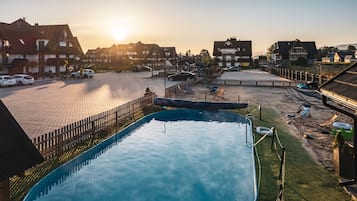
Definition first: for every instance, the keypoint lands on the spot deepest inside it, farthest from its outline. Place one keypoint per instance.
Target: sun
(119, 34)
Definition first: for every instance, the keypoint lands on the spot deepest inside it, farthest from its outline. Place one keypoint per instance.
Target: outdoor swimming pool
(170, 155)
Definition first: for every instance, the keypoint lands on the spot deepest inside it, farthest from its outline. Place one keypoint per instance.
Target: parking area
(50, 104)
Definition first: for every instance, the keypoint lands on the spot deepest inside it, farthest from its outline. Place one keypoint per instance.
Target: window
(62, 43)
(22, 41)
(41, 44)
(6, 43)
(228, 43)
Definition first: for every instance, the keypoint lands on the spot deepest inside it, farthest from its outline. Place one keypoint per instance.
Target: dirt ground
(286, 101)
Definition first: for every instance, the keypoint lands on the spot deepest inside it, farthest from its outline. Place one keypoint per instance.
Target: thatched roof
(17, 152)
(343, 87)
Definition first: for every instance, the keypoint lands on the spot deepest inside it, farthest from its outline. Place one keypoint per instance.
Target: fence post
(116, 118)
(282, 164)
(272, 139)
(260, 112)
(93, 127)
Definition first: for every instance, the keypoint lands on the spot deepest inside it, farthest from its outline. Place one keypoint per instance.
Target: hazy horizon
(193, 25)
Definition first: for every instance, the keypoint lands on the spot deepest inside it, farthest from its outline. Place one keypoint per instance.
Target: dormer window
(6, 43)
(62, 44)
(228, 43)
(41, 43)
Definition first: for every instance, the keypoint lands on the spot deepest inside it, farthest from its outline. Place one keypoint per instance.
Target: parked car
(142, 68)
(23, 79)
(84, 73)
(7, 80)
(234, 68)
(302, 86)
(182, 76)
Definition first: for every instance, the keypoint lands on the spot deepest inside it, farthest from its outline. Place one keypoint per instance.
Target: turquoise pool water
(171, 155)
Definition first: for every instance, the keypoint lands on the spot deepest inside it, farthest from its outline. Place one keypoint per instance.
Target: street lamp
(165, 75)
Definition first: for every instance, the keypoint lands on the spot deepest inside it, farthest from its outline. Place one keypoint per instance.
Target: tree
(351, 48)
(324, 51)
(205, 58)
(270, 51)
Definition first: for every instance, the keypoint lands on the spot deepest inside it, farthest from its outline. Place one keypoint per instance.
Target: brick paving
(50, 104)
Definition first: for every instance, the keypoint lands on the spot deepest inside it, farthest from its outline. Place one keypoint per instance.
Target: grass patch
(304, 178)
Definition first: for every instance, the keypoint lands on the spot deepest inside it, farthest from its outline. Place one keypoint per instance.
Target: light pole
(165, 76)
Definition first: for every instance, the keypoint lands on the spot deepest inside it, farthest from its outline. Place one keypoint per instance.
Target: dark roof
(17, 153)
(344, 85)
(244, 48)
(283, 48)
(344, 53)
(141, 50)
(22, 38)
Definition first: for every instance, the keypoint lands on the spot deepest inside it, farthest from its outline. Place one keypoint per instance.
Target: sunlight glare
(119, 34)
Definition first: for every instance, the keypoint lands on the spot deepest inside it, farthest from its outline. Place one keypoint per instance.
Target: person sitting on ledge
(147, 91)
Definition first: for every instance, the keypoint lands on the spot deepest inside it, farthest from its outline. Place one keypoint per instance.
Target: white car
(7, 80)
(86, 73)
(23, 79)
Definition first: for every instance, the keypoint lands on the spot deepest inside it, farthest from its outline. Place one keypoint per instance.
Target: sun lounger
(329, 121)
(188, 90)
(219, 93)
(212, 90)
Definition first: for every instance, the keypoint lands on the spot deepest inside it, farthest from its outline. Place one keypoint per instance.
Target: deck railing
(257, 83)
(53, 143)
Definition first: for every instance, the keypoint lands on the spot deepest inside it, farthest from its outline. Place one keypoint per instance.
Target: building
(133, 54)
(344, 56)
(232, 52)
(288, 52)
(37, 49)
(339, 94)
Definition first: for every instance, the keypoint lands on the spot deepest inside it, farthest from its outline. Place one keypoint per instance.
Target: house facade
(340, 56)
(232, 52)
(288, 52)
(132, 53)
(37, 49)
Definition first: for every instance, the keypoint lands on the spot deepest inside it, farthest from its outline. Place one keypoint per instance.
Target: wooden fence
(260, 83)
(182, 87)
(53, 143)
(297, 75)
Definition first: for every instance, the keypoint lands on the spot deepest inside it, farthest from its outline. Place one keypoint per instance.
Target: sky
(193, 24)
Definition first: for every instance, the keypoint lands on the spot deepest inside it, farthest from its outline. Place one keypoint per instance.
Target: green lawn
(304, 178)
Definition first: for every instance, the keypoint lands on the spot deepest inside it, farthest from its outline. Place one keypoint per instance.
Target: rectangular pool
(171, 155)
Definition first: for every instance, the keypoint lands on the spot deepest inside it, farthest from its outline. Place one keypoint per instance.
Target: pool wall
(45, 184)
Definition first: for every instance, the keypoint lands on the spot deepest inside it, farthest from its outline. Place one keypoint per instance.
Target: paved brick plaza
(51, 104)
